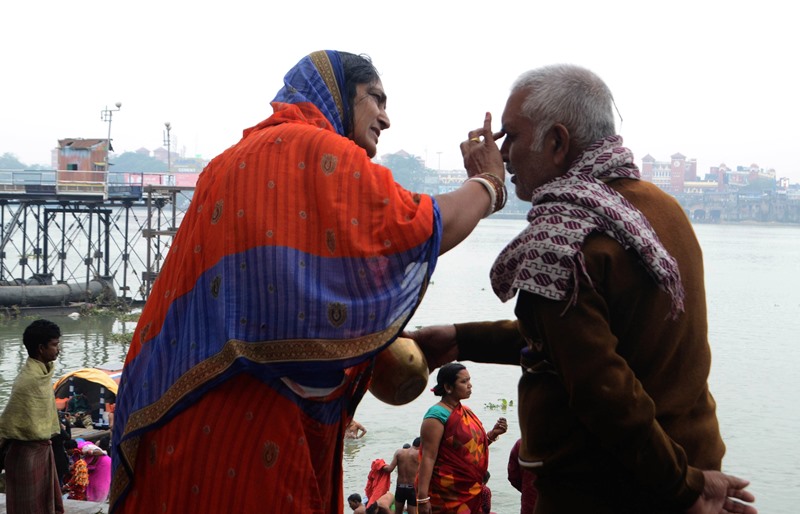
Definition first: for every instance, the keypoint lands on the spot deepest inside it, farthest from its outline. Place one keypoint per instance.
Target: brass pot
(400, 374)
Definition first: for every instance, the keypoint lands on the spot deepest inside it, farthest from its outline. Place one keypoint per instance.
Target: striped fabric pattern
(298, 260)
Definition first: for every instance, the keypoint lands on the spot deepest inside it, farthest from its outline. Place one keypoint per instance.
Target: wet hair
(416, 442)
(39, 332)
(355, 497)
(570, 95)
(406, 446)
(447, 376)
(358, 69)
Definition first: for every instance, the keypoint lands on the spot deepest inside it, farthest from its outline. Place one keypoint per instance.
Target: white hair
(567, 94)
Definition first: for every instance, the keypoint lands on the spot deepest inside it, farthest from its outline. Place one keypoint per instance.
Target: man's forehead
(513, 109)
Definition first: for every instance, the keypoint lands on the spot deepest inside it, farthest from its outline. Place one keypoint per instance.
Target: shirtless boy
(406, 460)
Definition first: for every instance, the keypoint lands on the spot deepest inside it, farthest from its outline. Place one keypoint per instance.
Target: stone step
(71, 506)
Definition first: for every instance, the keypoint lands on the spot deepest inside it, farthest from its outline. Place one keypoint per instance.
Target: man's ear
(560, 145)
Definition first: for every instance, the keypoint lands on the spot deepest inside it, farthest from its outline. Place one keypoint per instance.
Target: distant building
(697, 187)
(679, 175)
(725, 194)
(718, 175)
(82, 154)
(450, 180)
(81, 163)
(743, 176)
(669, 175)
(754, 173)
(189, 165)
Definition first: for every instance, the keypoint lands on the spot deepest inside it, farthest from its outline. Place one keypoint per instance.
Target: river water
(753, 291)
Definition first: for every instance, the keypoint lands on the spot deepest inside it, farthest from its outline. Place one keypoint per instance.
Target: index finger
(487, 126)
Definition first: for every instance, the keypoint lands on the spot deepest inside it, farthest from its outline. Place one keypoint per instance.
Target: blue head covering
(319, 79)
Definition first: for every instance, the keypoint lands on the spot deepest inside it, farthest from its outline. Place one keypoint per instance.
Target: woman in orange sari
(297, 262)
(455, 448)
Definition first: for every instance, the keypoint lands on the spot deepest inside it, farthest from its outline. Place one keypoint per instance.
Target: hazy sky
(713, 80)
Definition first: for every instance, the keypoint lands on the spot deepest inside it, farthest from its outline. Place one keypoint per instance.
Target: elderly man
(611, 328)
(28, 422)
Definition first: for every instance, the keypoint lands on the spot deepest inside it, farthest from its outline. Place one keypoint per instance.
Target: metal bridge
(76, 227)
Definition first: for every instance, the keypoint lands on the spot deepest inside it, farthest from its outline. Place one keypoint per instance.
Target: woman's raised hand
(480, 151)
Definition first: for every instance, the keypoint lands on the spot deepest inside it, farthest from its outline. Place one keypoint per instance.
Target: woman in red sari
(455, 448)
(298, 261)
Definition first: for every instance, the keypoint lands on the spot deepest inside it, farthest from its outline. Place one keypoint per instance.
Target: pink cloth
(378, 481)
(99, 474)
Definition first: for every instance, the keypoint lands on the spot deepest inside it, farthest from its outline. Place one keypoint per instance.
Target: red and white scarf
(545, 258)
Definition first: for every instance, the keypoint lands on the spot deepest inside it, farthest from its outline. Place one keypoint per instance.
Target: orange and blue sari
(299, 259)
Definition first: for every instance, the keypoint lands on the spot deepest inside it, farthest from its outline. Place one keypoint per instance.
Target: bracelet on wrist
(500, 187)
(424, 500)
(489, 189)
(496, 189)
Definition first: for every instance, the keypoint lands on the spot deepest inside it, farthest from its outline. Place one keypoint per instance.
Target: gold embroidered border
(325, 69)
(262, 353)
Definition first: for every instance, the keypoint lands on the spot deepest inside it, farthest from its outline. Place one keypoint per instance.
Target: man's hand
(723, 494)
(437, 342)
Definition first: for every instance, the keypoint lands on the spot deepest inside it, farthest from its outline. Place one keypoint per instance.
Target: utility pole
(168, 142)
(105, 115)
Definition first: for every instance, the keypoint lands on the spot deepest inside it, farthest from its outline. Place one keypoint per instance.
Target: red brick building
(669, 175)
